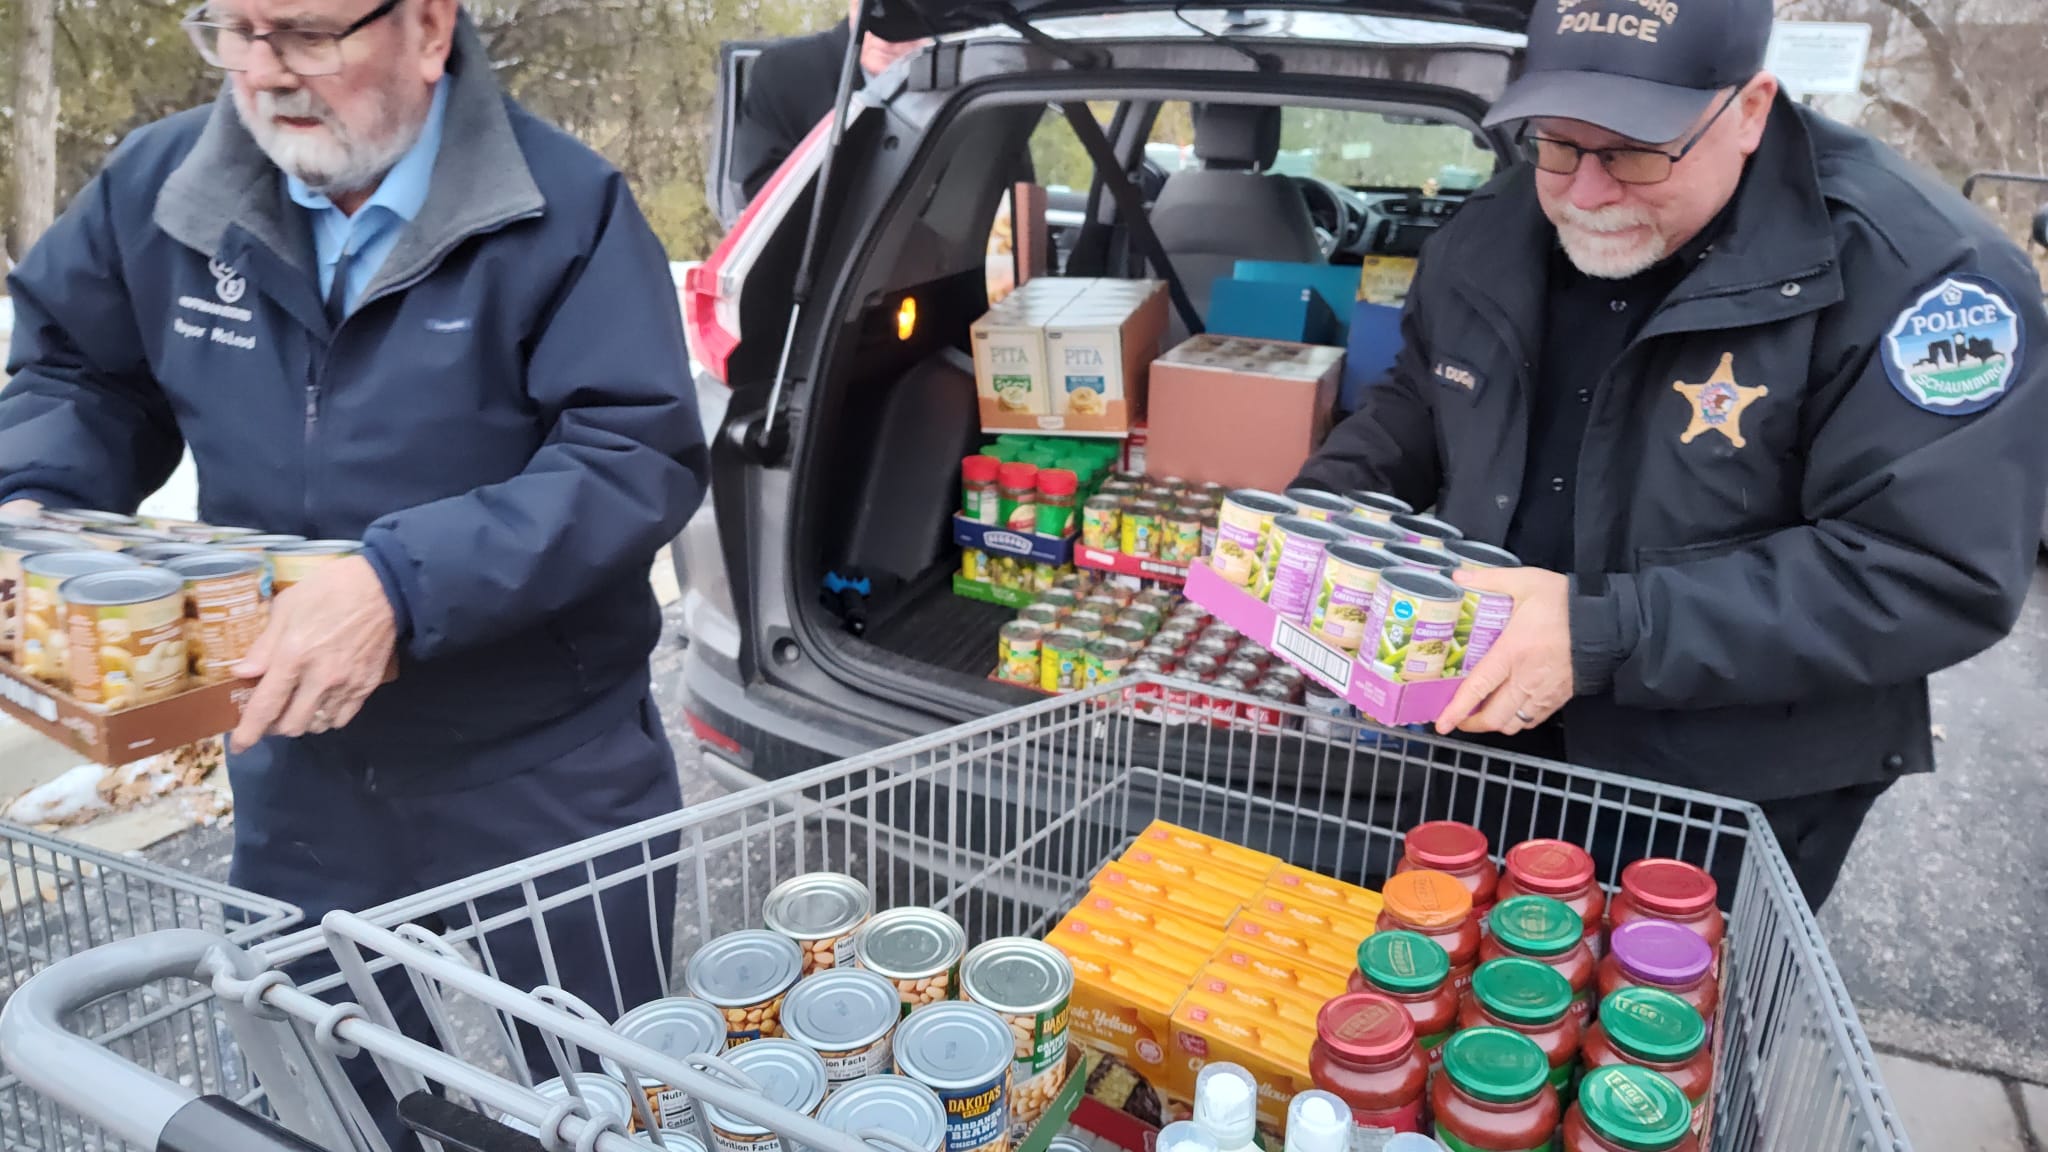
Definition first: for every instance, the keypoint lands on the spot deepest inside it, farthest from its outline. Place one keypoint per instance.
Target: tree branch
(1920, 124)
(1941, 53)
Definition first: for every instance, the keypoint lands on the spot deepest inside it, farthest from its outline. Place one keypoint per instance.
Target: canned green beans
(1296, 549)
(846, 1016)
(1378, 505)
(678, 1027)
(917, 949)
(746, 975)
(1242, 529)
(1027, 983)
(1484, 615)
(1424, 557)
(789, 1074)
(1427, 531)
(1414, 623)
(1351, 574)
(1367, 530)
(894, 1104)
(821, 911)
(1316, 504)
(963, 1053)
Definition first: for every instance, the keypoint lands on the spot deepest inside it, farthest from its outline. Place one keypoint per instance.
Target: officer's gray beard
(329, 161)
(1612, 243)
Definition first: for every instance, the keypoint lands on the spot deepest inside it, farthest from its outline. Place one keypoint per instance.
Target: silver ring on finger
(321, 720)
(1524, 717)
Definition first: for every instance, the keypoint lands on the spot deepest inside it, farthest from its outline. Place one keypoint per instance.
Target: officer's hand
(1528, 674)
(329, 644)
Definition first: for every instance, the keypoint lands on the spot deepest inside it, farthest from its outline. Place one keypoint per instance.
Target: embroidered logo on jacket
(228, 284)
(1718, 404)
(1955, 350)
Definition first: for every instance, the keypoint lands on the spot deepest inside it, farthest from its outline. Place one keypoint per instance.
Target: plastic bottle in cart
(1319, 1121)
(1185, 1136)
(980, 495)
(1562, 871)
(1227, 1107)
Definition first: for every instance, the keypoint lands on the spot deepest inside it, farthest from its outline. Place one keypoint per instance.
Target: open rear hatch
(910, 19)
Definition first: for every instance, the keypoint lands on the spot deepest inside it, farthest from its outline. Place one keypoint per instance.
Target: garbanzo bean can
(295, 563)
(918, 949)
(1027, 983)
(745, 975)
(894, 1104)
(789, 1074)
(126, 636)
(963, 1053)
(224, 609)
(1243, 528)
(605, 1098)
(42, 647)
(1414, 624)
(846, 1016)
(258, 544)
(675, 1026)
(821, 911)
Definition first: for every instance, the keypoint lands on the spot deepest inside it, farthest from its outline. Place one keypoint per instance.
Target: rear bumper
(766, 731)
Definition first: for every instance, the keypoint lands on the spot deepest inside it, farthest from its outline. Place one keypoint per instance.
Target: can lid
(1660, 952)
(980, 469)
(606, 1097)
(1023, 630)
(841, 1009)
(789, 1074)
(673, 1026)
(1369, 531)
(953, 1045)
(1184, 1136)
(1638, 1109)
(1652, 1024)
(33, 540)
(1366, 1026)
(1418, 582)
(1550, 867)
(1264, 503)
(1321, 531)
(1317, 498)
(163, 553)
(894, 1104)
(1536, 925)
(1404, 962)
(1018, 474)
(1445, 845)
(1058, 482)
(65, 565)
(1381, 502)
(1426, 899)
(1017, 975)
(742, 968)
(821, 904)
(1495, 1065)
(670, 1139)
(121, 586)
(1359, 554)
(1482, 555)
(1427, 526)
(906, 943)
(209, 563)
(1669, 887)
(320, 548)
(1416, 556)
(1522, 991)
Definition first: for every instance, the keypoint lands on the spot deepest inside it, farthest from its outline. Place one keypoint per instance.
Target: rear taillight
(711, 292)
(705, 731)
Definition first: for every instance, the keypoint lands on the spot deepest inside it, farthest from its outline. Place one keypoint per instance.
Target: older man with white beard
(380, 301)
(1756, 403)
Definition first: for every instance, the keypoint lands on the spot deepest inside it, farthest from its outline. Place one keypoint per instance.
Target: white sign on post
(1813, 58)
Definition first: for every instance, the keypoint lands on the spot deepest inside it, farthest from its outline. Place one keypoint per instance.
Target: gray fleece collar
(481, 180)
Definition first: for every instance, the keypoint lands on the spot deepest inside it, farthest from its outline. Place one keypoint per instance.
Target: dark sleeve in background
(789, 91)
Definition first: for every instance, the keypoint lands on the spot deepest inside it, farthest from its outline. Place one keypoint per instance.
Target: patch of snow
(71, 797)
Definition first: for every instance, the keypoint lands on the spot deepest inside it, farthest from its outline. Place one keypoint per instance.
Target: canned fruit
(1414, 624)
(821, 911)
(1106, 660)
(1061, 660)
(295, 563)
(125, 636)
(1296, 546)
(974, 566)
(41, 646)
(1027, 983)
(1018, 658)
(894, 1104)
(1244, 524)
(963, 1053)
(1351, 575)
(676, 1027)
(746, 975)
(1139, 527)
(846, 1016)
(790, 1075)
(1102, 523)
(224, 609)
(918, 949)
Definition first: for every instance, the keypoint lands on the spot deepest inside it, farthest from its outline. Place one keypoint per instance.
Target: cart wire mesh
(1003, 823)
(59, 899)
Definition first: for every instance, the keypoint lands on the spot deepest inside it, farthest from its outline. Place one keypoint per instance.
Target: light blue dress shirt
(370, 235)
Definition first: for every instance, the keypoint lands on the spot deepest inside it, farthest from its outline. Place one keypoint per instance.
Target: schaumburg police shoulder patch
(1957, 348)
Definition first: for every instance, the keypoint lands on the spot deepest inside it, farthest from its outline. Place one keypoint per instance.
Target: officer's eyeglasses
(1626, 165)
(302, 51)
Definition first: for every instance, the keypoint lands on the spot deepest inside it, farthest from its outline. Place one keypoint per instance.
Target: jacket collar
(481, 180)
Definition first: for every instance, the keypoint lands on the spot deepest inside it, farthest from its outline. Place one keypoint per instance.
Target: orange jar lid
(1426, 899)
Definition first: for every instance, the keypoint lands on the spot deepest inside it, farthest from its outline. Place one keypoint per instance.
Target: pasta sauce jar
(1562, 871)
(1653, 1029)
(1544, 930)
(1365, 1054)
(1526, 997)
(1454, 849)
(1413, 971)
(1658, 954)
(1672, 890)
(1625, 1109)
(1494, 1095)
(1436, 905)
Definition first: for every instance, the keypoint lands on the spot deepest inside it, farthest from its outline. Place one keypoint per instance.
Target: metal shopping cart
(1001, 823)
(58, 899)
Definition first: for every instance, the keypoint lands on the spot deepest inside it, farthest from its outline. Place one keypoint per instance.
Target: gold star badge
(1717, 405)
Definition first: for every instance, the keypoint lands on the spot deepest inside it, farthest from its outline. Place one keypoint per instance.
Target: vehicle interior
(1316, 180)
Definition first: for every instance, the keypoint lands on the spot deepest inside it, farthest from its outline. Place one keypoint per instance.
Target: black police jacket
(1814, 478)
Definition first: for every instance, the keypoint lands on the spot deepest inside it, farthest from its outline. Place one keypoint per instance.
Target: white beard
(328, 160)
(1600, 244)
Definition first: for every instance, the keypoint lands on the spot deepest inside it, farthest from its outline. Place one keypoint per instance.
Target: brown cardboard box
(1068, 355)
(115, 738)
(1239, 412)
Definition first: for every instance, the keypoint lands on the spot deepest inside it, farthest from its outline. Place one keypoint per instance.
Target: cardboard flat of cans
(1068, 355)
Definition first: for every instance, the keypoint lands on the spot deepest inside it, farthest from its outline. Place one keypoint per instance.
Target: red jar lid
(980, 469)
(1669, 887)
(1446, 845)
(1550, 867)
(1366, 1027)
(1058, 482)
(1019, 475)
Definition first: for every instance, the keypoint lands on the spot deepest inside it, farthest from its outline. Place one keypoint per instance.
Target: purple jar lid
(1658, 952)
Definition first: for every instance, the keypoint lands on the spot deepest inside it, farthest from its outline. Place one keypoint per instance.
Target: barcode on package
(1291, 639)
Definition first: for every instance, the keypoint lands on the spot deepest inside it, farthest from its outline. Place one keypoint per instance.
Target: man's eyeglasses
(1626, 165)
(302, 51)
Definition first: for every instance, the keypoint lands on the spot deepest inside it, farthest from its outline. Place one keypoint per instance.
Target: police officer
(379, 300)
(1757, 402)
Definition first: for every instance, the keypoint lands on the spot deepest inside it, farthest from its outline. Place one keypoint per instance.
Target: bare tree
(34, 153)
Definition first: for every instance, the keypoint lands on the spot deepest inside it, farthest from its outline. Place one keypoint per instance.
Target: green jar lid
(1403, 962)
(1536, 925)
(1007, 453)
(1652, 1024)
(1634, 1108)
(1522, 991)
(1495, 1065)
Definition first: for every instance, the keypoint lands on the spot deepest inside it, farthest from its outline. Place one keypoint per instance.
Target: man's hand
(21, 507)
(329, 644)
(1528, 674)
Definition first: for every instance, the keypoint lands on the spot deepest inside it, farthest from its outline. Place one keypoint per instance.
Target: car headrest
(1237, 136)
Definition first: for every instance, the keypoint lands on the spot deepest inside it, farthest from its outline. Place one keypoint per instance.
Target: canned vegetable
(1106, 660)
(41, 646)
(821, 911)
(1316, 504)
(962, 1052)
(894, 1104)
(1294, 551)
(1365, 530)
(745, 975)
(1379, 506)
(1027, 983)
(1427, 531)
(1484, 615)
(1102, 522)
(1017, 660)
(1424, 557)
(674, 1026)
(17, 545)
(1061, 660)
(295, 563)
(917, 948)
(1140, 527)
(1243, 527)
(224, 609)
(1044, 615)
(846, 1017)
(124, 635)
(789, 1074)
(672, 1141)
(1414, 620)
(605, 1097)
(1351, 574)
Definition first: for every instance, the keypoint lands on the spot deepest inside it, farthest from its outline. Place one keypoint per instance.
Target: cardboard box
(1121, 1012)
(1197, 871)
(1328, 941)
(131, 734)
(1011, 383)
(1242, 413)
(1109, 910)
(1302, 884)
(1207, 1028)
(1251, 962)
(1099, 350)
(1169, 893)
(1285, 1005)
(1385, 279)
(1160, 834)
(1266, 310)
(1369, 351)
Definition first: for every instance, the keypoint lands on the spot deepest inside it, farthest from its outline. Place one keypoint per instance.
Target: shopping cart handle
(459, 1129)
(218, 1124)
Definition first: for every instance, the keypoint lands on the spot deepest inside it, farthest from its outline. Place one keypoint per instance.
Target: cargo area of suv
(834, 505)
